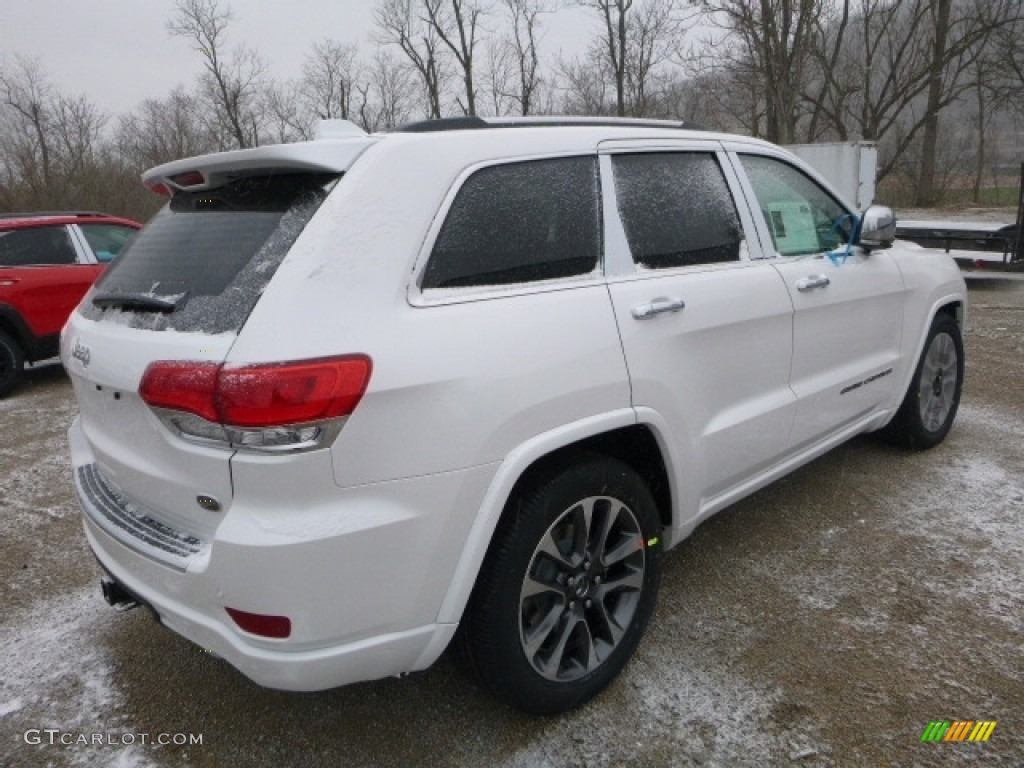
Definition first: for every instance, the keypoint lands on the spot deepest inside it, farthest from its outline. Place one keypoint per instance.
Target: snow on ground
(55, 675)
(825, 621)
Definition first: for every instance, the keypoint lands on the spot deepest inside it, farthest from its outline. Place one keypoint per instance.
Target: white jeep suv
(346, 401)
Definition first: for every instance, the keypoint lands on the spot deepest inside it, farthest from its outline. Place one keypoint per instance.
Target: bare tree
(521, 49)
(823, 91)
(584, 85)
(613, 43)
(400, 24)
(914, 57)
(78, 129)
(233, 80)
(655, 32)
(637, 37)
(941, 13)
(50, 143)
(27, 100)
(1008, 49)
(329, 77)
(387, 94)
(161, 130)
(771, 43)
(456, 23)
(513, 64)
(286, 117)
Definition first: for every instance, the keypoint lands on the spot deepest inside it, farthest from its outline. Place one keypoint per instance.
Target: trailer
(977, 246)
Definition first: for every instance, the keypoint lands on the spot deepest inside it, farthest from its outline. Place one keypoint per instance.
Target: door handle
(810, 283)
(8, 281)
(656, 307)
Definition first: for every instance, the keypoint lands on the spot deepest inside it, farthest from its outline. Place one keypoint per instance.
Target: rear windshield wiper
(136, 302)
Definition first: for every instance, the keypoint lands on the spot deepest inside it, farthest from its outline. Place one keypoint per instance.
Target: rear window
(208, 255)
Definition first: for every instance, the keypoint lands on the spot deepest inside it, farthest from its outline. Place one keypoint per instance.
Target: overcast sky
(118, 52)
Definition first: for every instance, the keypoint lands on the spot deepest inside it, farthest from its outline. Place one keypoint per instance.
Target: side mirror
(877, 227)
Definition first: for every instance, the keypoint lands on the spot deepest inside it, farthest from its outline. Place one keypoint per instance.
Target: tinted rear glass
(677, 209)
(211, 253)
(520, 223)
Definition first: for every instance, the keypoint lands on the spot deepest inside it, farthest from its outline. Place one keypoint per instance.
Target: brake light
(267, 406)
(182, 386)
(188, 179)
(293, 393)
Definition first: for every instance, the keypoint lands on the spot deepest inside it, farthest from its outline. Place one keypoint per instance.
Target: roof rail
(475, 122)
(442, 124)
(40, 214)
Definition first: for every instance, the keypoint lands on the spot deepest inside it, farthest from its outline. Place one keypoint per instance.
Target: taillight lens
(182, 386)
(256, 406)
(291, 393)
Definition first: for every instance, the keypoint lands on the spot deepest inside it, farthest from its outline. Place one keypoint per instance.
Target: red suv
(47, 263)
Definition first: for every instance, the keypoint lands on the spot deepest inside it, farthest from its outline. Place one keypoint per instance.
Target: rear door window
(36, 246)
(677, 209)
(202, 262)
(520, 223)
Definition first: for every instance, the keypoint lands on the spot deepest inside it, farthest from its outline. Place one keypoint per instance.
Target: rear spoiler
(193, 174)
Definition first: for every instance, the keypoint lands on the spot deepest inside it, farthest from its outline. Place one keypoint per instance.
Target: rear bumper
(282, 668)
(360, 572)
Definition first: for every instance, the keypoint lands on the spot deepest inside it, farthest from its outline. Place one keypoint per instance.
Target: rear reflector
(268, 395)
(277, 627)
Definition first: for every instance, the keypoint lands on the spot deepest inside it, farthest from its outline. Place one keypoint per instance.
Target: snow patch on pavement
(56, 676)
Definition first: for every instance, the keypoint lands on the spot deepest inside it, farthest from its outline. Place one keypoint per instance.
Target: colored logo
(958, 730)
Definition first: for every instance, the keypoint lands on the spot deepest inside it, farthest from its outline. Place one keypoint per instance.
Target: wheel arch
(617, 435)
(957, 309)
(954, 306)
(15, 326)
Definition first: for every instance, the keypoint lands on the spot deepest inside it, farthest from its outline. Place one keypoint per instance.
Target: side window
(677, 209)
(36, 246)
(519, 223)
(107, 240)
(802, 217)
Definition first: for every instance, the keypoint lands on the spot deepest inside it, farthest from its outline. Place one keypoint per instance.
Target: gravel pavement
(824, 621)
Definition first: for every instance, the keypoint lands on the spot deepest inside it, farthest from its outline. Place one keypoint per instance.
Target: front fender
(933, 283)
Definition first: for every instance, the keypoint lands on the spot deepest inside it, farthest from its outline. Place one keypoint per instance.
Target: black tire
(930, 405)
(12, 364)
(567, 587)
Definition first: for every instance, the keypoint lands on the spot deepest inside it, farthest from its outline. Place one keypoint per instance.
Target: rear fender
(508, 473)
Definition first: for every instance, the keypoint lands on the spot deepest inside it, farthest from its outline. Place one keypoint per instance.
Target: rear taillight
(277, 406)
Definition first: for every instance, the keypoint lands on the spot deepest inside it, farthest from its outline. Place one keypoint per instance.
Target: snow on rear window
(211, 253)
